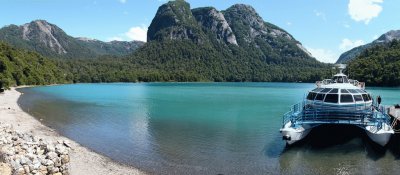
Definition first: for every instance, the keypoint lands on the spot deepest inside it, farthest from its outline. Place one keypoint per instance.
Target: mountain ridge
(51, 41)
(384, 39)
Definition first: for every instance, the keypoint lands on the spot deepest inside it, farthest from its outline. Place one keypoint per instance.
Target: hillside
(51, 41)
(382, 40)
(231, 45)
(378, 65)
(20, 67)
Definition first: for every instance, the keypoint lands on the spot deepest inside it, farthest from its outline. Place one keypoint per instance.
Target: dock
(394, 113)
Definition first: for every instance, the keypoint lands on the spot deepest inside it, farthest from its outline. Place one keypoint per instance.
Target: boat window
(359, 91)
(311, 96)
(346, 98)
(358, 98)
(353, 91)
(344, 91)
(320, 97)
(369, 96)
(334, 91)
(326, 90)
(365, 97)
(331, 98)
(317, 89)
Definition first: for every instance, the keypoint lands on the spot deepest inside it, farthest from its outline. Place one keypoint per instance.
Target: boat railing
(303, 113)
(330, 81)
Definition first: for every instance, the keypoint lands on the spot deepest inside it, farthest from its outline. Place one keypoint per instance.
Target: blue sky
(325, 27)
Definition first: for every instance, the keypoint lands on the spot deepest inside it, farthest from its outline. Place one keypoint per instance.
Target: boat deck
(301, 114)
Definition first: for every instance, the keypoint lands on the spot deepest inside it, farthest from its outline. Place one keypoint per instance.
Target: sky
(326, 28)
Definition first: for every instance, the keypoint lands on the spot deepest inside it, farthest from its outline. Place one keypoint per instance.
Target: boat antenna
(341, 67)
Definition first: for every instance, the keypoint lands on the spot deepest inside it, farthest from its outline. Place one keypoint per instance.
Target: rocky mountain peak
(382, 40)
(213, 20)
(44, 32)
(388, 37)
(174, 20)
(248, 14)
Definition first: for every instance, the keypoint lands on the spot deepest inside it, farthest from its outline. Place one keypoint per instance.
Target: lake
(206, 128)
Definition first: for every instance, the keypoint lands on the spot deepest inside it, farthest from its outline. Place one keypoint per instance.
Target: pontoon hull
(292, 135)
(381, 136)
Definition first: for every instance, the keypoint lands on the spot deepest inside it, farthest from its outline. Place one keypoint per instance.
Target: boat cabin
(339, 95)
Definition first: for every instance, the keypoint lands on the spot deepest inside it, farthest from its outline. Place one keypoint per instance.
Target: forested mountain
(20, 67)
(382, 40)
(184, 44)
(51, 41)
(378, 65)
(232, 45)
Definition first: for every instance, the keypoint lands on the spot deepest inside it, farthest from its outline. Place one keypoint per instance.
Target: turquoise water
(205, 128)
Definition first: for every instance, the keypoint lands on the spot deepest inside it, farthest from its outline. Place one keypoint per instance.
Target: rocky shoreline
(25, 153)
(29, 147)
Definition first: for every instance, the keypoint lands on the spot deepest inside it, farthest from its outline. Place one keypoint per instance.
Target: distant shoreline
(83, 160)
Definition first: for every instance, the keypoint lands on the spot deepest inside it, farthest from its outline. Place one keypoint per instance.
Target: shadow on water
(344, 139)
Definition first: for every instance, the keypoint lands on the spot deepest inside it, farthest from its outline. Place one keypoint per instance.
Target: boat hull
(293, 135)
(381, 136)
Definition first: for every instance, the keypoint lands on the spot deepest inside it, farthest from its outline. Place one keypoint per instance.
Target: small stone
(24, 160)
(52, 155)
(64, 159)
(43, 169)
(36, 164)
(20, 171)
(50, 148)
(57, 173)
(49, 163)
(26, 168)
(67, 144)
(39, 151)
(54, 170)
(57, 162)
(60, 149)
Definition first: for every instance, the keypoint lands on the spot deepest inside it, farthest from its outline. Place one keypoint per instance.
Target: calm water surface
(206, 128)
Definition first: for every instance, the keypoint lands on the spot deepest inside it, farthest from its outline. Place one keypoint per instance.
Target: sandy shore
(83, 160)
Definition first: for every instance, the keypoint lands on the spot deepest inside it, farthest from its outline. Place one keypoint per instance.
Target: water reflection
(342, 149)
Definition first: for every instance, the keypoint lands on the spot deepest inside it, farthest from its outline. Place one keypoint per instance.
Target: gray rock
(50, 148)
(65, 159)
(57, 162)
(26, 168)
(60, 149)
(54, 170)
(51, 155)
(49, 163)
(67, 144)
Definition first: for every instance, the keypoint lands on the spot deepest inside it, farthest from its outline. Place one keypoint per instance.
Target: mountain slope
(20, 67)
(378, 65)
(232, 45)
(51, 41)
(382, 40)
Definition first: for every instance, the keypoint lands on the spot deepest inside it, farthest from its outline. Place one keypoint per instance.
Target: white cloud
(364, 10)
(320, 14)
(288, 23)
(122, 1)
(375, 37)
(348, 44)
(346, 26)
(137, 33)
(134, 33)
(323, 55)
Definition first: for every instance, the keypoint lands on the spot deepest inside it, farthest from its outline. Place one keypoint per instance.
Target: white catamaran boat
(337, 101)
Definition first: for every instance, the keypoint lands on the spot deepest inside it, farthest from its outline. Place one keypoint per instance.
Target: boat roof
(340, 86)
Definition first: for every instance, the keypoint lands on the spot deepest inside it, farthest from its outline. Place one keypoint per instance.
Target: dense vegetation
(378, 66)
(19, 67)
(37, 39)
(180, 48)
